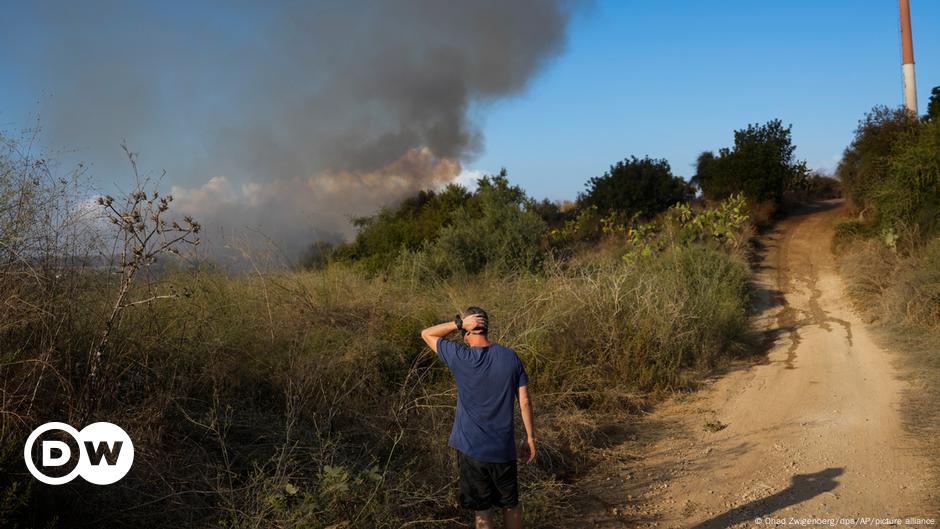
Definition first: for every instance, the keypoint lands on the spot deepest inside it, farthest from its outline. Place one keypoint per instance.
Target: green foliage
(635, 186)
(933, 106)
(682, 285)
(454, 231)
(817, 185)
(589, 226)
(892, 172)
(910, 195)
(585, 226)
(724, 226)
(761, 165)
(864, 164)
(418, 219)
(496, 228)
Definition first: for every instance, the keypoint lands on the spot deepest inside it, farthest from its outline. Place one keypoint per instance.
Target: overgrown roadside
(815, 430)
(899, 295)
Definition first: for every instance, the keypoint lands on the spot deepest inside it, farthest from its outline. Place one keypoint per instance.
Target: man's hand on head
(473, 321)
(435, 332)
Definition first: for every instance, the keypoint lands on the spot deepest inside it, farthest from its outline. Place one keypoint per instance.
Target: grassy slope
(291, 397)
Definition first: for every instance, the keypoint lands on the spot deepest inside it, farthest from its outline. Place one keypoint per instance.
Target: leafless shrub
(143, 234)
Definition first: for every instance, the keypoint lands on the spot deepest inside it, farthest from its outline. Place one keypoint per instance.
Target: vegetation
(890, 255)
(933, 107)
(761, 165)
(636, 187)
(455, 231)
(864, 165)
(891, 173)
(306, 397)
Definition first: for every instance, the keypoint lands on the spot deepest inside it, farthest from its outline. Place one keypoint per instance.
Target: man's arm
(525, 406)
(433, 333)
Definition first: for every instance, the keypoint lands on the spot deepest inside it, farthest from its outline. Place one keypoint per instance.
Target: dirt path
(813, 432)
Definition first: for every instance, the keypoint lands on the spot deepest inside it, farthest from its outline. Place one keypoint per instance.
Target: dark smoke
(287, 118)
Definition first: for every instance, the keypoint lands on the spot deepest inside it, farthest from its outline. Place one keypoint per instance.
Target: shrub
(498, 229)
(453, 231)
(418, 219)
(726, 226)
(761, 165)
(868, 266)
(634, 186)
(913, 296)
(864, 164)
(933, 105)
(910, 195)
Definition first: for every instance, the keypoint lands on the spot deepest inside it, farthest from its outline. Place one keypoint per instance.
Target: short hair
(484, 329)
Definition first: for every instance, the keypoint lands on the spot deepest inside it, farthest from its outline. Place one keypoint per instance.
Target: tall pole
(907, 57)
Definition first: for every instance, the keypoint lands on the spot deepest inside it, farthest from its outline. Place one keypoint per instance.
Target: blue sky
(671, 79)
(664, 79)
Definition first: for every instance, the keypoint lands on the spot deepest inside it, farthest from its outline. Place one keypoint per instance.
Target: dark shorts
(486, 485)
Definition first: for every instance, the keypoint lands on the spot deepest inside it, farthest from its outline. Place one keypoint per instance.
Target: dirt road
(813, 432)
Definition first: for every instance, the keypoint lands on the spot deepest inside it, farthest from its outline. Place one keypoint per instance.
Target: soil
(811, 433)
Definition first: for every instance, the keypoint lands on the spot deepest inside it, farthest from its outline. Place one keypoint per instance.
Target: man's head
(480, 330)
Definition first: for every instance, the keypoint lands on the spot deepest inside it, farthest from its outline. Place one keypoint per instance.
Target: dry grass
(265, 399)
(902, 294)
(307, 399)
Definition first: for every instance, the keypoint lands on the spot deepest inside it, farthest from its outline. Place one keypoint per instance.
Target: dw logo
(104, 453)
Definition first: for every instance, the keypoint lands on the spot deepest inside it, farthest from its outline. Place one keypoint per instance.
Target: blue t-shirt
(488, 379)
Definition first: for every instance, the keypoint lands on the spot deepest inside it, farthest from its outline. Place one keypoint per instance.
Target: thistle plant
(143, 234)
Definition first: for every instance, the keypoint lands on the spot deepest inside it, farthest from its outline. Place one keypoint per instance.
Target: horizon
(563, 91)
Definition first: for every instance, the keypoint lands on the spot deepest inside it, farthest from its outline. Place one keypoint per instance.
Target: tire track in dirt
(814, 431)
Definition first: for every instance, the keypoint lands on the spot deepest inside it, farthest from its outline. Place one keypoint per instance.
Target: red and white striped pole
(907, 57)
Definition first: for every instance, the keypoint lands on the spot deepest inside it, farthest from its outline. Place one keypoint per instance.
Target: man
(489, 379)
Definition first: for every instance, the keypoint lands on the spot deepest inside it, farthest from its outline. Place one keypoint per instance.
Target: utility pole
(907, 57)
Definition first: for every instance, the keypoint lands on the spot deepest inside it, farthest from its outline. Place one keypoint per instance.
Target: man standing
(489, 379)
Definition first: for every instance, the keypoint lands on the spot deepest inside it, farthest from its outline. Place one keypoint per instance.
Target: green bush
(454, 231)
(910, 195)
(761, 165)
(418, 219)
(865, 163)
(499, 229)
(635, 187)
(891, 171)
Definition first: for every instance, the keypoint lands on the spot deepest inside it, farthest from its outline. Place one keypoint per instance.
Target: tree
(910, 194)
(703, 171)
(636, 186)
(460, 231)
(382, 237)
(498, 227)
(864, 164)
(933, 106)
(761, 164)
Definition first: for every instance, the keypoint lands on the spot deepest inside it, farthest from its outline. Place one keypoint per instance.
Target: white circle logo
(105, 453)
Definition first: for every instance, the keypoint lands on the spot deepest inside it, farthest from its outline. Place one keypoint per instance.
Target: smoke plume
(285, 119)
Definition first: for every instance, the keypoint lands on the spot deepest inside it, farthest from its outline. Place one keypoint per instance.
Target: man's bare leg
(484, 519)
(512, 517)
